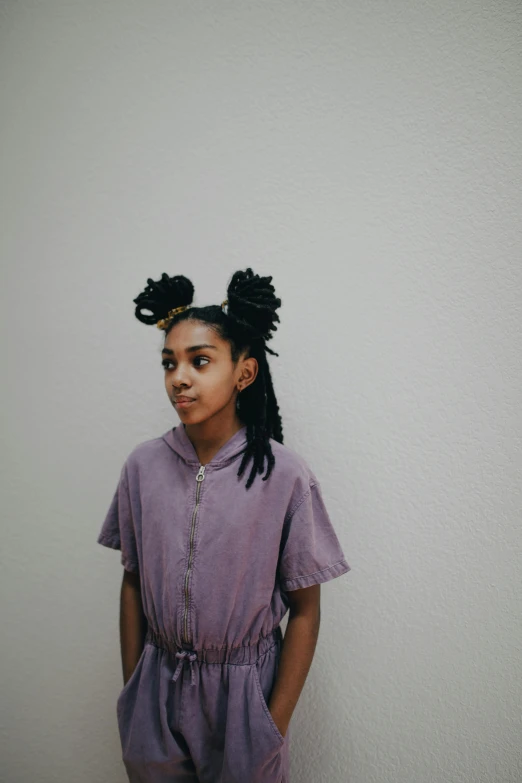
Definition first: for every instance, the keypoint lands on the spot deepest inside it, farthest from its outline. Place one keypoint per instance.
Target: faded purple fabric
(215, 562)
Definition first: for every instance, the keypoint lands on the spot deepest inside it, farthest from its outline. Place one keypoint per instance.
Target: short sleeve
(117, 530)
(311, 552)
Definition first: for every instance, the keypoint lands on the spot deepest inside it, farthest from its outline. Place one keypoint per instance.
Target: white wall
(368, 155)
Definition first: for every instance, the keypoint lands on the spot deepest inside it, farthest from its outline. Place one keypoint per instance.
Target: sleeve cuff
(129, 565)
(114, 542)
(324, 575)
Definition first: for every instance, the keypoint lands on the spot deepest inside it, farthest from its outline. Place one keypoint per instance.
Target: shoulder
(294, 480)
(292, 467)
(144, 453)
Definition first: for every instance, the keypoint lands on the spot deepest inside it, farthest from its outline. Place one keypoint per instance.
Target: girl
(212, 562)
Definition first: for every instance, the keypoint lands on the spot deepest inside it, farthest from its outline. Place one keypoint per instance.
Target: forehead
(189, 333)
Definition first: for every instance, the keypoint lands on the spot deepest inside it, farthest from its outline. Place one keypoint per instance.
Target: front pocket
(130, 680)
(264, 704)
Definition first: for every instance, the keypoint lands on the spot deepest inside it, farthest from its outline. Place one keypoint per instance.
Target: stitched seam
(300, 502)
(265, 706)
(115, 543)
(303, 576)
(110, 539)
(124, 480)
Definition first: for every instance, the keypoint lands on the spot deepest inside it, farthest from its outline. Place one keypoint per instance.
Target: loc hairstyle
(247, 325)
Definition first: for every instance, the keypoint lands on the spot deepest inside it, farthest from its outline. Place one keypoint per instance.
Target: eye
(166, 362)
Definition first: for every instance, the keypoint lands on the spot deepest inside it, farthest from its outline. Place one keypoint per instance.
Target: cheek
(215, 389)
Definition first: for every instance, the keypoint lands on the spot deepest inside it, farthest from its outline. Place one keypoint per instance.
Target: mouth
(183, 402)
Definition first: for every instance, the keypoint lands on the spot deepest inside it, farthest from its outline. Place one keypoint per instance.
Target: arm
(297, 653)
(133, 623)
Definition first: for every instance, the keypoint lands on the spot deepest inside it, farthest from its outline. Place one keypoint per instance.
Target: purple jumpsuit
(215, 562)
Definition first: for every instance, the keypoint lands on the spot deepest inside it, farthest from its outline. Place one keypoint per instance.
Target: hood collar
(178, 440)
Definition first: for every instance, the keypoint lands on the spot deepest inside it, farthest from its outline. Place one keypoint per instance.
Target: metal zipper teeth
(199, 479)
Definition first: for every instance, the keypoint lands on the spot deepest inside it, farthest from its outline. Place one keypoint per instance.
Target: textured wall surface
(368, 155)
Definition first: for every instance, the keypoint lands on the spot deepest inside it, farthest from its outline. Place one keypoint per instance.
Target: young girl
(212, 562)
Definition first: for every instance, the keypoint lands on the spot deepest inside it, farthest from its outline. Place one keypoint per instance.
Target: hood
(178, 440)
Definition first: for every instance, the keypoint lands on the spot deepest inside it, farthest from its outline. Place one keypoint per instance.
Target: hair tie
(164, 322)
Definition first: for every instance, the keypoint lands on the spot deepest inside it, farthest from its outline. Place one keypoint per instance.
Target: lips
(183, 400)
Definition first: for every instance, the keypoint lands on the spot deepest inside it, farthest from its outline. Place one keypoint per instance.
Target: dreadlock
(247, 325)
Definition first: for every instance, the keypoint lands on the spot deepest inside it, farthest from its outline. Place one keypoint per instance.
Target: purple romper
(215, 562)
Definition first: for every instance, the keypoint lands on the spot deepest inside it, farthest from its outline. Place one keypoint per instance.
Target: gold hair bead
(163, 323)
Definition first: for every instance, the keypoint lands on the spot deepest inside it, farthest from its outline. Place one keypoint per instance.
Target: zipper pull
(201, 474)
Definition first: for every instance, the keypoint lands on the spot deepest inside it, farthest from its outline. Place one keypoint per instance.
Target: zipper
(199, 479)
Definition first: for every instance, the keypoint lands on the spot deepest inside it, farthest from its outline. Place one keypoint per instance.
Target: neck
(210, 435)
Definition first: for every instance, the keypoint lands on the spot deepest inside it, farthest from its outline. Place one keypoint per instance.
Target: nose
(179, 379)
(179, 388)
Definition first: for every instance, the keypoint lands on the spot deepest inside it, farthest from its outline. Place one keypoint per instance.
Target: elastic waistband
(244, 654)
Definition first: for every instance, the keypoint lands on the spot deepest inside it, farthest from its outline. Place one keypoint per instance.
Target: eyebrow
(170, 352)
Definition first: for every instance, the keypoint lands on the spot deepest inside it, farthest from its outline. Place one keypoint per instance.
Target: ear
(249, 370)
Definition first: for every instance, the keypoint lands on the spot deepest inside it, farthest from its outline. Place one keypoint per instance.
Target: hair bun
(162, 296)
(252, 303)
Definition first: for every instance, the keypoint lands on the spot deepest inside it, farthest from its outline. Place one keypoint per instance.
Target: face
(198, 365)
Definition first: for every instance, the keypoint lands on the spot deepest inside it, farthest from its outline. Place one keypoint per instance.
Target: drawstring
(192, 656)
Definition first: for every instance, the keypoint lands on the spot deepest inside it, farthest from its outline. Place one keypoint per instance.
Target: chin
(186, 416)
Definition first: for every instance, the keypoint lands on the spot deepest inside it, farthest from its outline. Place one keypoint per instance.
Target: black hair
(247, 325)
